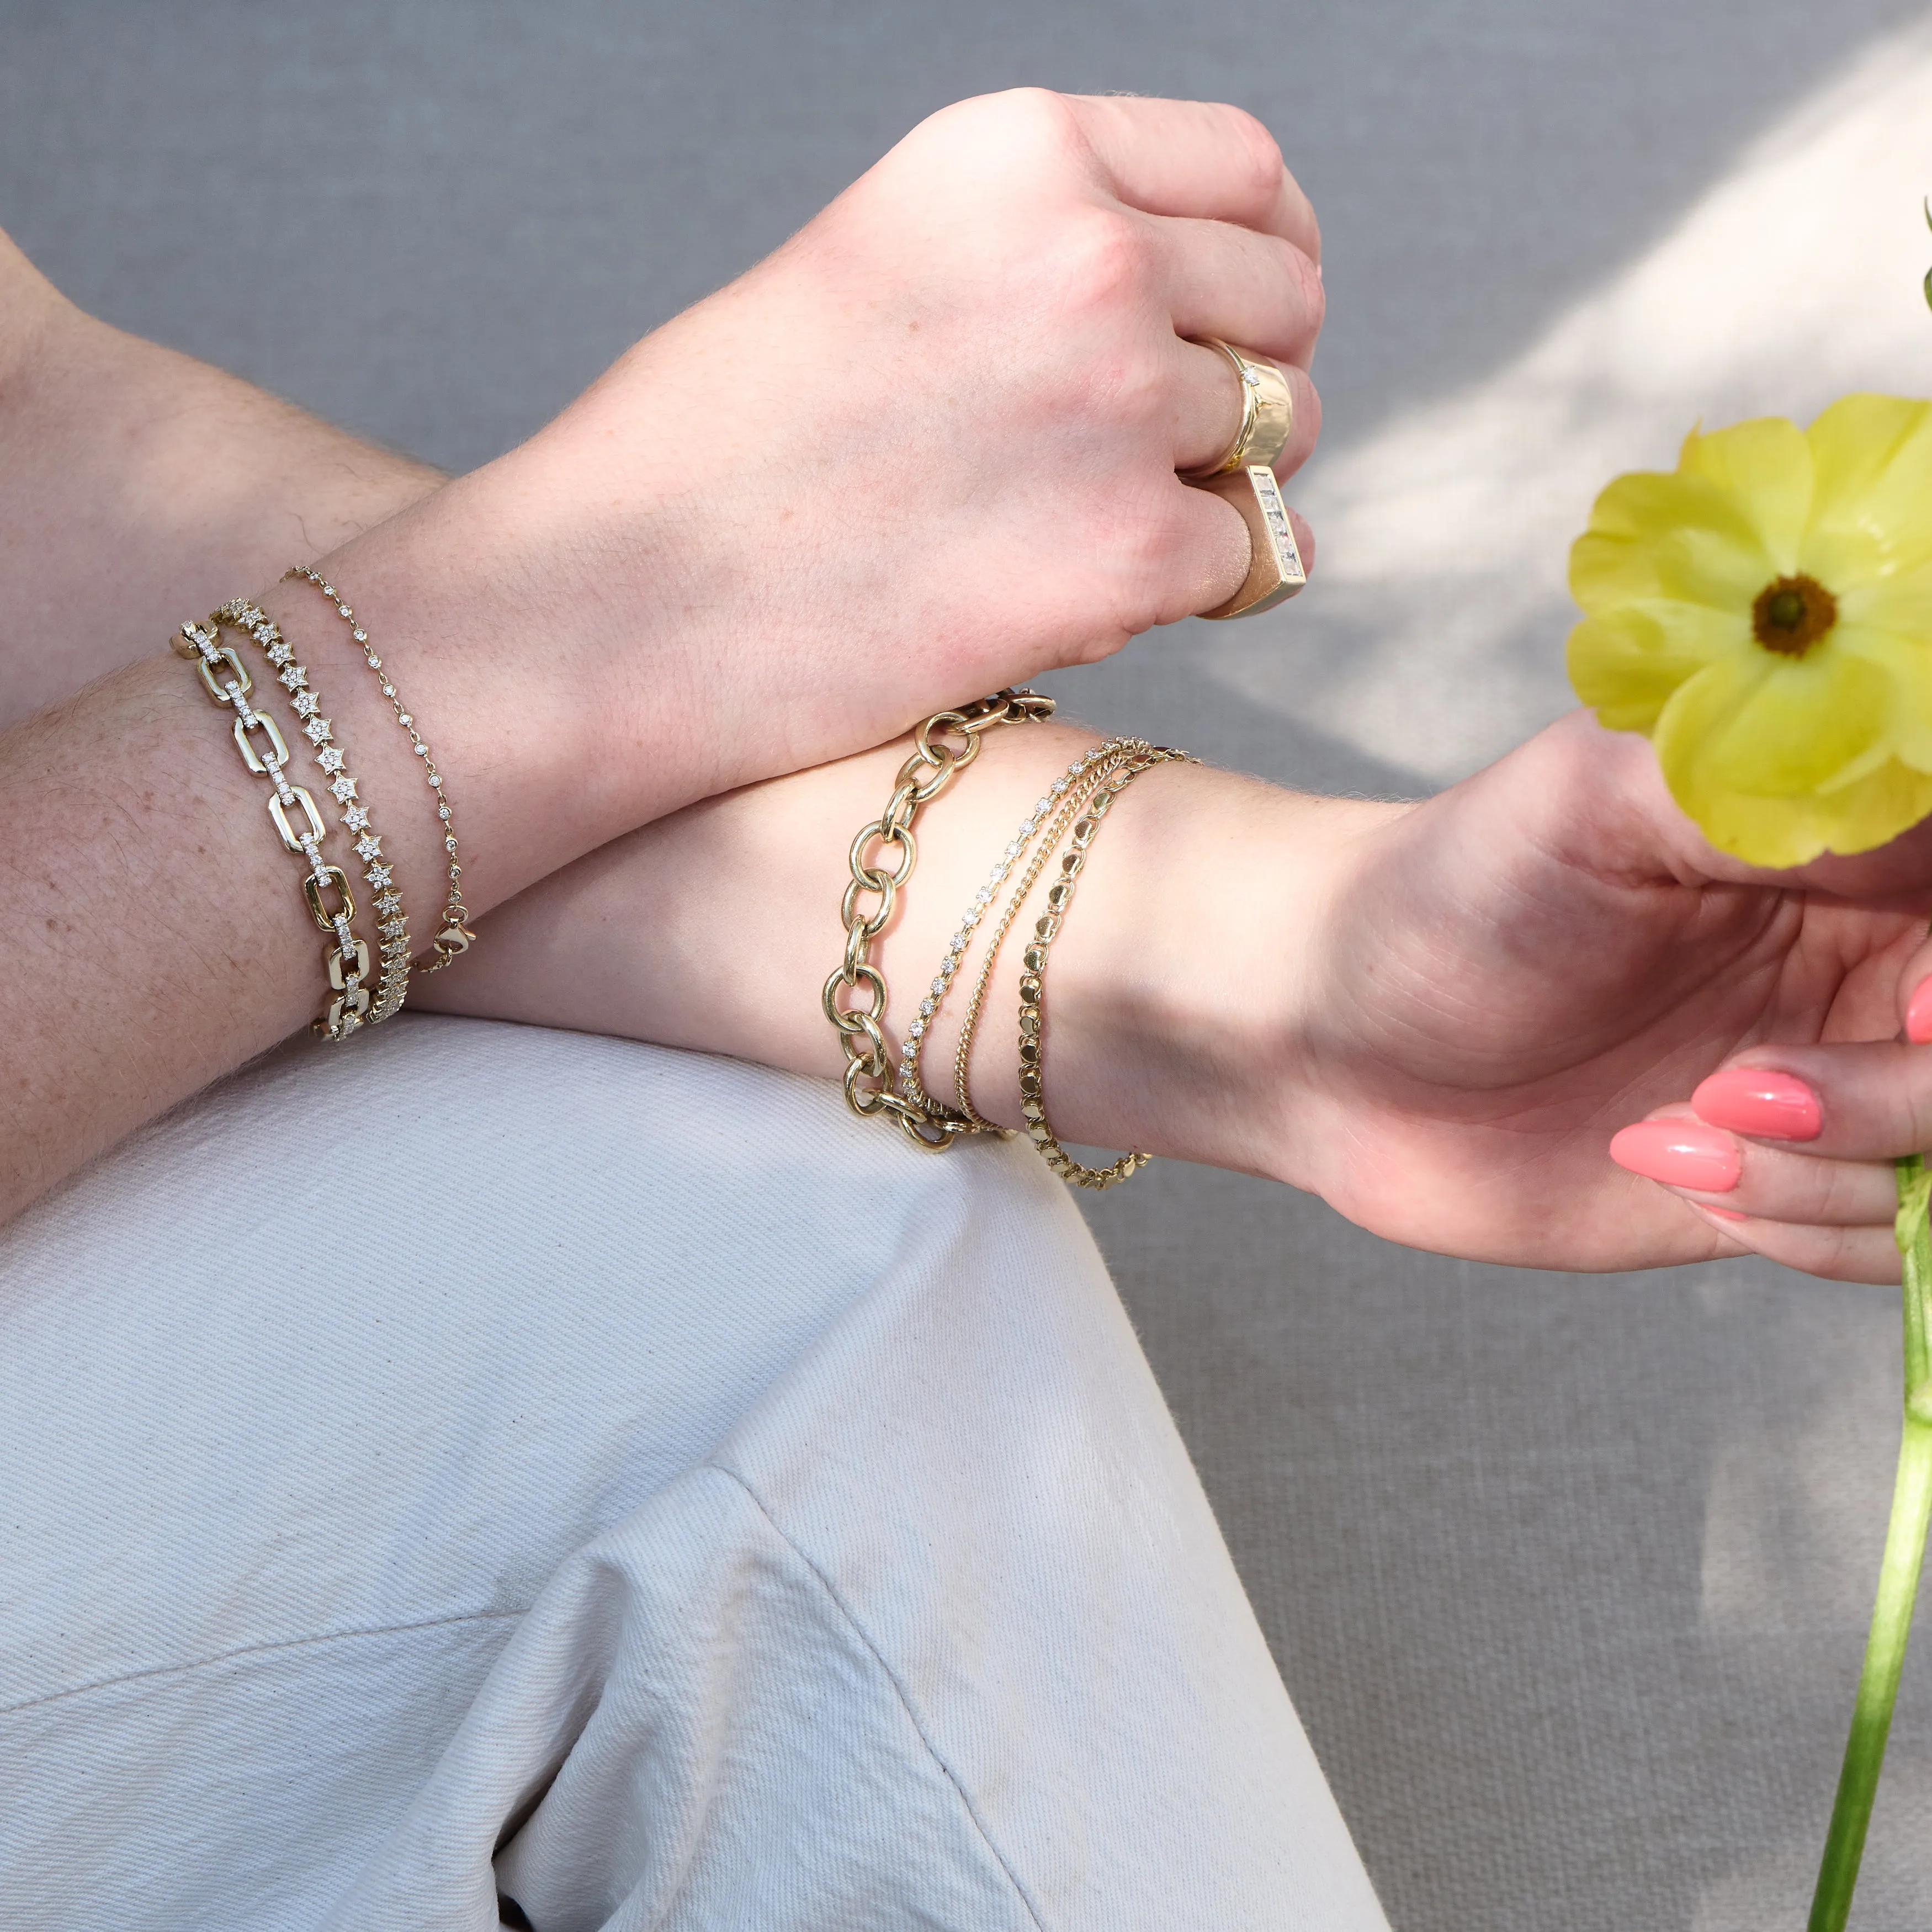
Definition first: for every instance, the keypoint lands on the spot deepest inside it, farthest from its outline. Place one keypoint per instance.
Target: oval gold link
(860, 870)
(844, 1018)
(900, 835)
(252, 758)
(331, 878)
(857, 941)
(290, 838)
(232, 669)
(333, 959)
(873, 923)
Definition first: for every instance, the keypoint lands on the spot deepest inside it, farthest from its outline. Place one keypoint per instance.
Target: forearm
(1180, 988)
(139, 487)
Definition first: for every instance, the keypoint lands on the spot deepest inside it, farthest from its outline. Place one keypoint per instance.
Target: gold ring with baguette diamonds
(1245, 477)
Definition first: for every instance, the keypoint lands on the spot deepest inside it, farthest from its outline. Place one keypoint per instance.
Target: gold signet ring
(1245, 477)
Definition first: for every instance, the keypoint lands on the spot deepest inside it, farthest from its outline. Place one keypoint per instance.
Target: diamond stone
(318, 730)
(344, 788)
(295, 677)
(388, 905)
(356, 817)
(378, 875)
(368, 846)
(307, 704)
(280, 653)
(361, 636)
(329, 758)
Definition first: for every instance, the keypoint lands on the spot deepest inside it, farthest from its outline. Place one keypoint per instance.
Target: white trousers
(479, 1464)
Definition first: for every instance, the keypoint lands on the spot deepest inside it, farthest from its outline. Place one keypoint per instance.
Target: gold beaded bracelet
(454, 938)
(919, 1030)
(1115, 753)
(1032, 982)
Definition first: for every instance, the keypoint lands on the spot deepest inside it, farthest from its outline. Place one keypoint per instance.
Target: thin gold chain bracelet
(454, 938)
(1115, 753)
(1032, 982)
(869, 1073)
(912, 1083)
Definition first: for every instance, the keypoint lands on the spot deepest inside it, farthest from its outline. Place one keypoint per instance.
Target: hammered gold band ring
(1267, 414)
(1245, 478)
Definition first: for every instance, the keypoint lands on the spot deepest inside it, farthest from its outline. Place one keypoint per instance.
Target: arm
(629, 612)
(1435, 1016)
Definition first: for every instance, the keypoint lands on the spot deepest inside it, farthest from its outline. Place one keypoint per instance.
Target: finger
(1196, 157)
(1837, 1254)
(1712, 1167)
(1207, 410)
(1862, 1100)
(1914, 996)
(1256, 291)
(1209, 553)
(1212, 552)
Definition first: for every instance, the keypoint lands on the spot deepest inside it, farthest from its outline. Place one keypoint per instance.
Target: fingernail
(1755, 1100)
(1919, 1014)
(1681, 1153)
(1722, 1213)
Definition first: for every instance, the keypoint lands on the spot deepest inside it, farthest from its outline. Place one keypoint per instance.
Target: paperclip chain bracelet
(869, 1073)
(454, 938)
(911, 1077)
(1032, 983)
(1116, 752)
(226, 680)
(366, 842)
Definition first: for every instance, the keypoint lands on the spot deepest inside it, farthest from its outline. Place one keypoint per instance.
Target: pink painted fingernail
(1919, 1014)
(1722, 1213)
(1755, 1100)
(1681, 1153)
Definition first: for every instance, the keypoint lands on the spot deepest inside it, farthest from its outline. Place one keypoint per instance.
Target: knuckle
(1257, 154)
(1104, 259)
(1037, 117)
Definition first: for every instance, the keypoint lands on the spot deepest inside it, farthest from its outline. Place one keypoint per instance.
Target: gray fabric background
(1568, 1577)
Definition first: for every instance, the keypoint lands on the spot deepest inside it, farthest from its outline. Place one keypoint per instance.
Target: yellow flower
(1764, 612)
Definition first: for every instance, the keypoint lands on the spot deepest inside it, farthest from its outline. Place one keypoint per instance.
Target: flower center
(1791, 614)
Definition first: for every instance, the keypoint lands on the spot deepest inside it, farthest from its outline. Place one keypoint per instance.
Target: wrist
(1187, 991)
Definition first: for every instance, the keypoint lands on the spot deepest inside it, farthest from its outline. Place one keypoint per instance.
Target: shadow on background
(1541, 1557)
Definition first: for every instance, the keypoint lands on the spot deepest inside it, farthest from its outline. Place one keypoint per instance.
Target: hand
(927, 448)
(1550, 951)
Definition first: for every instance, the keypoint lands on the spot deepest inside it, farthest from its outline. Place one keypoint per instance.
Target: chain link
(933, 764)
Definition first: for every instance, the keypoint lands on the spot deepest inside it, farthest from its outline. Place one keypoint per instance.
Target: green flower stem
(1898, 1572)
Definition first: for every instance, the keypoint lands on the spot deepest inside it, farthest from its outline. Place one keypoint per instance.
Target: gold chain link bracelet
(869, 1074)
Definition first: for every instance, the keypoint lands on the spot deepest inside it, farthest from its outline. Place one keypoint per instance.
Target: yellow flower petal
(1625, 664)
(1705, 744)
(1907, 662)
(1798, 726)
(1654, 535)
(1899, 601)
(1765, 467)
(1778, 756)
(1873, 460)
